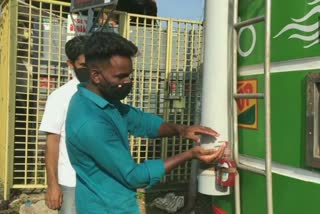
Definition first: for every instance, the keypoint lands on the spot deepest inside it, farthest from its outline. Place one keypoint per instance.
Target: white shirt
(53, 121)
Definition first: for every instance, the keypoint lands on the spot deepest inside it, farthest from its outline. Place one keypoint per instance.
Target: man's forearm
(51, 158)
(177, 160)
(170, 129)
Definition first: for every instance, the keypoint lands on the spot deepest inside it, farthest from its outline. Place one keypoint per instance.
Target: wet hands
(207, 155)
(194, 132)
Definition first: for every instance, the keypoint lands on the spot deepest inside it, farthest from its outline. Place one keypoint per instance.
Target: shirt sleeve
(106, 147)
(141, 124)
(54, 115)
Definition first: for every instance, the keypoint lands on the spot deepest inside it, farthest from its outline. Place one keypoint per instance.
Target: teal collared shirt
(98, 149)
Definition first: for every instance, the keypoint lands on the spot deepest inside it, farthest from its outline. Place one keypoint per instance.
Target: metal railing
(266, 96)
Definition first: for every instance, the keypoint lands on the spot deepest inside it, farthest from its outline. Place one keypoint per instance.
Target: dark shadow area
(203, 203)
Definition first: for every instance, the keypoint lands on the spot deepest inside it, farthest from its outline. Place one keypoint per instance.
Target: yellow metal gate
(6, 97)
(166, 82)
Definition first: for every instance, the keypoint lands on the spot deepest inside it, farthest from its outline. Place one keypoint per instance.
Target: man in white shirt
(61, 177)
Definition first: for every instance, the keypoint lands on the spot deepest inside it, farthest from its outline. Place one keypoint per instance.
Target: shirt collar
(75, 79)
(98, 100)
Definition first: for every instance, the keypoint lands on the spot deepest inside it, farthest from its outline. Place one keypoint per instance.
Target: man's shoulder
(80, 107)
(81, 116)
(65, 91)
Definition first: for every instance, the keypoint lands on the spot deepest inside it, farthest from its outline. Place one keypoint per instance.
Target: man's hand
(54, 197)
(193, 132)
(207, 155)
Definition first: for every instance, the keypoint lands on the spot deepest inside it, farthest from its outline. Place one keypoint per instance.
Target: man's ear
(70, 64)
(95, 76)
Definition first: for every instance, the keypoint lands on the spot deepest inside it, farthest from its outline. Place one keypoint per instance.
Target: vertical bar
(123, 24)
(173, 151)
(190, 47)
(150, 80)
(25, 78)
(39, 65)
(32, 114)
(182, 94)
(142, 88)
(27, 108)
(131, 144)
(50, 48)
(141, 72)
(198, 69)
(159, 29)
(135, 64)
(135, 76)
(268, 106)
(126, 33)
(235, 110)
(13, 15)
(4, 67)
(190, 63)
(164, 145)
(154, 149)
(158, 74)
(139, 150)
(60, 47)
(175, 112)
(127, 28)
(151, 64)
(89, 23)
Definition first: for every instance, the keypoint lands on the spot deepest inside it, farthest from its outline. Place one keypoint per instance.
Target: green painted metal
(288, 111)
(251, 141)
(288, 117)
(291, 196)
(288, 120)
(288, 100)
(246, 35)
(284, 46)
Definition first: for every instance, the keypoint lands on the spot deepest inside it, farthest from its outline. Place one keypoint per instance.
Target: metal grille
(40, 69)
(166, 81)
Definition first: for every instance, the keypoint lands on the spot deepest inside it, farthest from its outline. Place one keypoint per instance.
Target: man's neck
(94, 89)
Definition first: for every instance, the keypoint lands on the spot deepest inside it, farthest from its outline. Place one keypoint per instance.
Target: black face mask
(116, 91)
(82, 74)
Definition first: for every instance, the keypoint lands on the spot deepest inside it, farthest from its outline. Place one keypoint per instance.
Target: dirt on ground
(32, 202)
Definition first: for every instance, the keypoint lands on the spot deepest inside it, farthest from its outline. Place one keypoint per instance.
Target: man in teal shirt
(97, 128)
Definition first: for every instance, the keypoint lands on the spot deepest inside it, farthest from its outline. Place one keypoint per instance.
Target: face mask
(82, 74)
(116, 91)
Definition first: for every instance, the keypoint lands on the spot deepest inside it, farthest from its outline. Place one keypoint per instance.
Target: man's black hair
(75, 47)
(101, 46)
